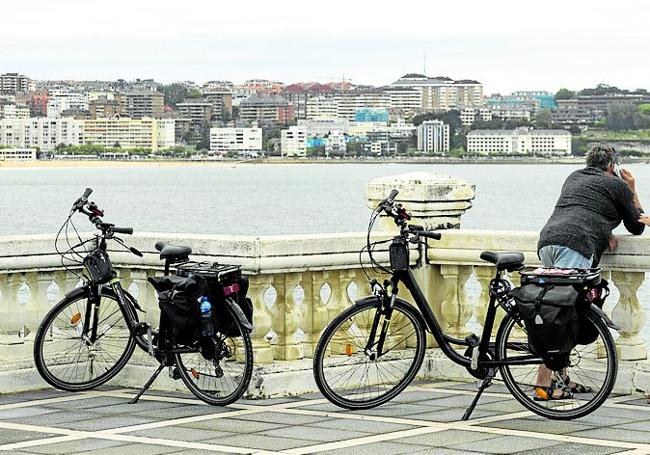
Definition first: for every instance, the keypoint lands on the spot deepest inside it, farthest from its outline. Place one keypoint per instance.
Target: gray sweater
(590, 206)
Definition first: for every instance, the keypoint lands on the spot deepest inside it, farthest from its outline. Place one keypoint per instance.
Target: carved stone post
(262, 350)
(314, 314)
(286, 317)
(629, 315)
(339, 301)
(456, 310)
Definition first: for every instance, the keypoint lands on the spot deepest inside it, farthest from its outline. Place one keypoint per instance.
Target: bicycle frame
(446, 342)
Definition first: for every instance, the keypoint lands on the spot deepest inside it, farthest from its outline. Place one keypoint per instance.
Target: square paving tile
(572, 449)
(378, 448)
(615, 434)
(446, 438)
(258, 441)
(282, 418)
(8, 436)
(314, 434)
(366, 426)
(448, 414)
(541, 425)
(71, 447)
(103, 423)
(179, 433)
(233, 425)
(86, 403)
(60, 417)
(505, 444)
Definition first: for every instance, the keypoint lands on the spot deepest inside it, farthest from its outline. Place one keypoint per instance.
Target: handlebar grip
(430, 234)
(87, 193)
(123, 230)
(391, 197)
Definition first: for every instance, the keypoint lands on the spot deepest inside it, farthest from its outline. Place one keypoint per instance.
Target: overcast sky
(507, 45)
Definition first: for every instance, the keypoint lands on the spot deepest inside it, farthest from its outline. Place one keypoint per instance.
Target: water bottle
(207, 328)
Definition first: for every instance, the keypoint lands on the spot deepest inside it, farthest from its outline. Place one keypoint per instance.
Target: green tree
(565, 94)
(174, 93)
(543, 118)
(621, 117)
(194, 93)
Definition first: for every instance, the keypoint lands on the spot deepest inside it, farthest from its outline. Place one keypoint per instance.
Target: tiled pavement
(423, 420)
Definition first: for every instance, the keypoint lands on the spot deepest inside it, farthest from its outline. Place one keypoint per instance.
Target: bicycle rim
(593, 365)
(349, 375)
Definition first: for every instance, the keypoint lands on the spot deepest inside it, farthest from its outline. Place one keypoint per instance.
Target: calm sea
(274, 199)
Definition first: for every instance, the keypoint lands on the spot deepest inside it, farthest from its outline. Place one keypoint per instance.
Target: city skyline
(502, 46)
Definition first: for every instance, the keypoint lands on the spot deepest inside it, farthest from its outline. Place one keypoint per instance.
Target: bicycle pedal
(472, 340)
(174, 373)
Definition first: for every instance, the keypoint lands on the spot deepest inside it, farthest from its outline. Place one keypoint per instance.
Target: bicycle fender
(604, 317)
(239, 314)
(105, 289)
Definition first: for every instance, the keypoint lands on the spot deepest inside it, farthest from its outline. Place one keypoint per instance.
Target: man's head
(602, 157)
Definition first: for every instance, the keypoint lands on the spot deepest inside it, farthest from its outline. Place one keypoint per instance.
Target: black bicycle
(373, 350)
(90, 335)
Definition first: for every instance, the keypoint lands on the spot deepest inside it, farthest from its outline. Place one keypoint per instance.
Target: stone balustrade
(299, 283)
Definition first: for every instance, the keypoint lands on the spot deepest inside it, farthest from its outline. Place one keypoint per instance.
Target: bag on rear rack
(551, 320)
(178, 300)
(595, 294)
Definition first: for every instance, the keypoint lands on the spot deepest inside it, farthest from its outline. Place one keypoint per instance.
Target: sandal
(544, 393)
(576, 387)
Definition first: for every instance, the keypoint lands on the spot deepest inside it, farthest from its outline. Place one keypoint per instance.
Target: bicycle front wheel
(347, 367)
(224, 378)
(593, 366)
(64, 355)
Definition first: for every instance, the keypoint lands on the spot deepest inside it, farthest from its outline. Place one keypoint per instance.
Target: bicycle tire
(322, 349)
(71, 324)
(557, 409)
(192, 376)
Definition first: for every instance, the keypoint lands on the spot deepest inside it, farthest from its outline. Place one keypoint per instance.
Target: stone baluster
(629, 315)
(286, 317)
(456, 310)
(339, 301)
(262, 319)
(483, 276)
(314, 314)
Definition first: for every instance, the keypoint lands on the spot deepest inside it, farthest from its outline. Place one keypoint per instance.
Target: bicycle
(372, 351)
(89, 336)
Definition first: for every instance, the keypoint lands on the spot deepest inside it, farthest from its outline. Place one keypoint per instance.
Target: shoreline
(67, 164)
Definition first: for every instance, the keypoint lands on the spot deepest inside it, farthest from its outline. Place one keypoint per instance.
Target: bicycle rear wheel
(64, 355)
(354, 378)
(593, 366)
(223, 379)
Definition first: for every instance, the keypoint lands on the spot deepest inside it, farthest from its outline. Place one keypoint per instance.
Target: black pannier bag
(595, 294)
(99, 268)
(551, 320)
(224, 282)
(178, 300)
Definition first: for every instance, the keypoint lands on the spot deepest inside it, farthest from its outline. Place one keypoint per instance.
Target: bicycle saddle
(173, 252)
(509, 261)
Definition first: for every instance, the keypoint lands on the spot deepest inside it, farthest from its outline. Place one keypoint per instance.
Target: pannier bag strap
(538, 304)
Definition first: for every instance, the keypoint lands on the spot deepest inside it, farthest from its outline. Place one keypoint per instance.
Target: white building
(13, 110)
(166, 133)
(521, 141)
(142, 133)
(293, 141)
(433, 137)
(323, 126)
(243, 141)
(405, 101)
(321, 107)
(41, 133)
(60, 101)
(470, 115)
(17, 154)
(335, 142)
(512, 113)
(352, 101)
(443, 93)
(12, 83)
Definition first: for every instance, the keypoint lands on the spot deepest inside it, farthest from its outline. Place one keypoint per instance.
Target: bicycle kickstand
(487, 382)
(148, 384)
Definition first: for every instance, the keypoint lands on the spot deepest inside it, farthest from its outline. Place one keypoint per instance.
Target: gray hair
(601, 156)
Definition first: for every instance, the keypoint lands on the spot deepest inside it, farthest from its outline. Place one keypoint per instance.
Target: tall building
(443, 93)
(587, 109)
(404, 101)
(266, 109)
(521, 141)
(433, 136)
(59, 101)
(352, 101)
(242, 141)
(321, 107)
(41, 133)
(103, 107)
(221, 101)
(38, 104)
(13, 83)
(141, 103)
(197, 110)
(293, 141)
(13, 110)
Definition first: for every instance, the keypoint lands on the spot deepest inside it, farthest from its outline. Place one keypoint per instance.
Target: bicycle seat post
(167, 267)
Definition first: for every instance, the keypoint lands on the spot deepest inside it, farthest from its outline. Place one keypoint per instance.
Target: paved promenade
(423, 420)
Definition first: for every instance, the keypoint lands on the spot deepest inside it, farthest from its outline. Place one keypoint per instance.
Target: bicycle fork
(385, 310)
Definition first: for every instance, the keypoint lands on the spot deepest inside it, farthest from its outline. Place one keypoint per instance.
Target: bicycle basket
(99, 267)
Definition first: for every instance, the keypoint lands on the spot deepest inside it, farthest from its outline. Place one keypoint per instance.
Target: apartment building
(433, 137)
(197, 110)
(352, 101)
(60, 101)
(321, 127)
(266, 109)
(128, 133)
(443, 93)
(138, 104)
(243, 141)
(13, 83)
(293, 141)
(521, 141)
(41, 133)
(404, 101)
(532, 101)
(37, 103)
(14, 110)
(470, 115)
(512, 113)
(321, 107)
(221, 101)
(103, 107)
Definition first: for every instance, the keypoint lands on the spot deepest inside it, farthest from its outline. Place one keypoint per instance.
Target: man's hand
(612, 243)
(629, 179)
(645, 219)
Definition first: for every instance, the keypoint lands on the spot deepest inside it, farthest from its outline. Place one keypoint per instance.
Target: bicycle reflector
(195, 374)
(74, 320)
(348, 349)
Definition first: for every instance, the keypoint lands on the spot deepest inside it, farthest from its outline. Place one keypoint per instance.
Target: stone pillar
(286, 317)
(314, 315)
(434, 201)
(629, 315)
(262, 350)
